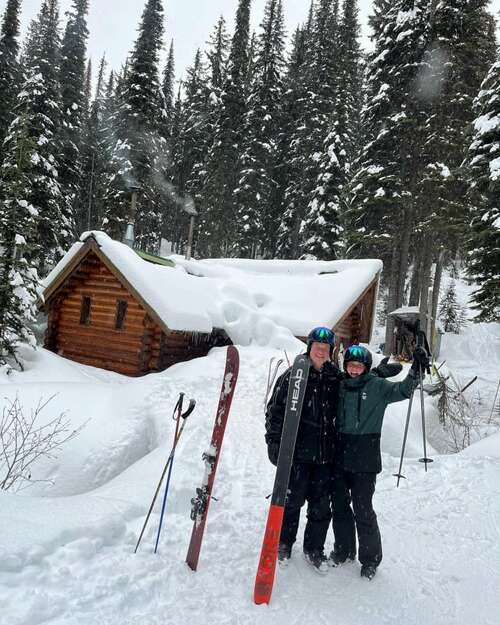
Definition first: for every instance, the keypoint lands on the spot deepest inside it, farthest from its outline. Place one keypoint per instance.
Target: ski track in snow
(440, 534)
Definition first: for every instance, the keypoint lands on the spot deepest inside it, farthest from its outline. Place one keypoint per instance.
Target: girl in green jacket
(363, 398)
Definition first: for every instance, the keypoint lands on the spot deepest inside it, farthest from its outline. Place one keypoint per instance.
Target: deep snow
(66, 552)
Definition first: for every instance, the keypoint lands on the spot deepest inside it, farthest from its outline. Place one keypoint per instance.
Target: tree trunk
(435, 296)
(391, 302)
(425, 281)
(415, 277)
(404, 253)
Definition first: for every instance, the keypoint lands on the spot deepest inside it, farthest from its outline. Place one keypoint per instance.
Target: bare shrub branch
(23, 441)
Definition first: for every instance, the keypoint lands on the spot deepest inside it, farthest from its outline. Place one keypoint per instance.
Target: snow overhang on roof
(246, 298)
(410, 313)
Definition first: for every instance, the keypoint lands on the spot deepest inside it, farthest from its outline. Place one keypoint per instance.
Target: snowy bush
(458, 417)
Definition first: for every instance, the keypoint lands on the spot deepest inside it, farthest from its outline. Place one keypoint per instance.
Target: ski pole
(425, 460)
(399, 475)
(468, 384)
(184, 417)
(268, 381)
(167, 464)
(422, 341)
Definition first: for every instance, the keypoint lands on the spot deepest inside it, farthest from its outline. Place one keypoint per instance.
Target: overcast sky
(113, 23)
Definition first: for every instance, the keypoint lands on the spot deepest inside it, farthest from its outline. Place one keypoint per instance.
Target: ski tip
(261, 596)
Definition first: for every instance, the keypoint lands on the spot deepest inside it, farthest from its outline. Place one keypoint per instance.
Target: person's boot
(338, 558)
(284, 554)
(368, 571)
(317, 560)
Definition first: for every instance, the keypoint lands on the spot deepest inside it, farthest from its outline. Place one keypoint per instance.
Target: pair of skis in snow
(269, 553)
(201, 502)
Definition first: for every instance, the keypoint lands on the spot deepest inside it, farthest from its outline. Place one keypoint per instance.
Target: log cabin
(112, 307)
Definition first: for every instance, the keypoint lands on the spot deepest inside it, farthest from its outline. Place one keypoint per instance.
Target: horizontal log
(107, 342)
(130, 316)
(118, 367)
(99, 334)
(107, 319)
(109, 355)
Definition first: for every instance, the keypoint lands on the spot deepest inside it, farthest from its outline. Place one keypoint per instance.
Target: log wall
(139, 347)
(98, 343)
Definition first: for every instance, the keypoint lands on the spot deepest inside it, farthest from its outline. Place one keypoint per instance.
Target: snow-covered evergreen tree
(168, 85)
(482, 171)
(95, 153)
(39, 105)
(19, 221)
(10, 73)
(72, 77)
(306, 141)
(291, 197)
(140, 151)
(323, 223)
(450, 312)
(257, 214)
(193, 135)
(460, 51)
(221, 175)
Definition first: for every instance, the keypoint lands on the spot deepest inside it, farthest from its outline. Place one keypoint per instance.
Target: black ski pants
(308, 482)
(352, 510)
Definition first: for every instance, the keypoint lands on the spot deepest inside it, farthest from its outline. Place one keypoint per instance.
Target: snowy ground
(66, 552)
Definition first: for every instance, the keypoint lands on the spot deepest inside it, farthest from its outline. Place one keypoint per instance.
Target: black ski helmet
(358, 353)
(321, 334)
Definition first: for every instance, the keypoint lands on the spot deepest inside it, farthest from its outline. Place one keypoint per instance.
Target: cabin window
(85, 311)
(121, 311)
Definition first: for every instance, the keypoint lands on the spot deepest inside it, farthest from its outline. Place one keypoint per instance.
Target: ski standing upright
(201, 502)
(269, 554)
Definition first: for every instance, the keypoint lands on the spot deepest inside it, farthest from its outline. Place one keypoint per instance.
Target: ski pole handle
(190, 408)
(178, 407)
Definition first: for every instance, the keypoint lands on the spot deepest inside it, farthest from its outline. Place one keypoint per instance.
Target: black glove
(273, 450)
(420, 361)
(331, 371)
(386, 370)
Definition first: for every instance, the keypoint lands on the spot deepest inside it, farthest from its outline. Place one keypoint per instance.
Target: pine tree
(193, 135)
(221, 177)
(168, 95)
(39, 104)
(255, 193)
(73, 82)
(291, 196)
(10, 73)
(482, 171)
(307, 138)
(217, 55)
(323, 224)
(19, 228)
(139, 151)
(95, 153)
(460, 51)
(450, 312)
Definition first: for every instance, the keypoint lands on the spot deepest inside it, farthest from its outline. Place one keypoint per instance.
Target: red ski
(264, 579)
(201, 502)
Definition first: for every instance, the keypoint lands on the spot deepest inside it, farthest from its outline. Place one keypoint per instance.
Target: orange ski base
(268, 556)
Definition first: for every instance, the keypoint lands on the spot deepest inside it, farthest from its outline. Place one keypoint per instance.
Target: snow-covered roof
(406, 311)
(247, 298)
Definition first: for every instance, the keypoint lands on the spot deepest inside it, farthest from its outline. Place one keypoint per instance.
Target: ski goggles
(322, 335)
(355, 352)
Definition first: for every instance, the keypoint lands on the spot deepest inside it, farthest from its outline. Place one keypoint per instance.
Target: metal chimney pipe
(129, 236)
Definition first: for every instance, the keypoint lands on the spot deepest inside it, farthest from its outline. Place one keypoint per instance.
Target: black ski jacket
(315, 437)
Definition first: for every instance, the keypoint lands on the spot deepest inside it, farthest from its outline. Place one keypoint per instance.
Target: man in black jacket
(313, 457)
